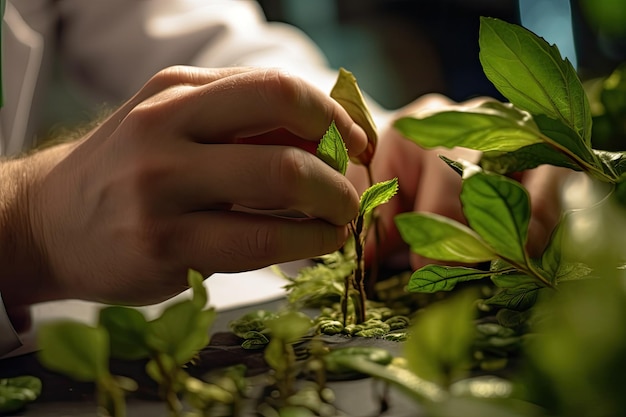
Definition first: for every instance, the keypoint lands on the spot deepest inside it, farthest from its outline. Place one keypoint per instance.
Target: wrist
(24, 272)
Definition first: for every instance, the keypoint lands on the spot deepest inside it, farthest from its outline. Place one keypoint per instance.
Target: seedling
(333, 151)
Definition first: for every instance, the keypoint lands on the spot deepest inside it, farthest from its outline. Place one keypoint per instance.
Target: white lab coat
(111, 47)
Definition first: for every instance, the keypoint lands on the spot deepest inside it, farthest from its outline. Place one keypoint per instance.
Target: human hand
(120, 215)
(427, 184)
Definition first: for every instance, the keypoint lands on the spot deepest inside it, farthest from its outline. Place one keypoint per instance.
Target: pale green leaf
(532, 75)
(490, 126)
(438, 237)
(347, 93)
(200, 295)
(435, 278)
(377, 194)
(332, 149)
(75, 349)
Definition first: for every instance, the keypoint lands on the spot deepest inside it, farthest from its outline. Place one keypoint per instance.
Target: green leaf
(532, 75)
(289, 326)
(181, 331)
(614, 164)
(348, 94)
(16, 392)
(127, 330)
(438, 237)
(490, 126)
(377, 194)
(512, 280)
(435, 278)
(528, 157)
(332, 149)
(518, 299)
(438, 348)
(200, 296)
(75, 349)
(498, 208)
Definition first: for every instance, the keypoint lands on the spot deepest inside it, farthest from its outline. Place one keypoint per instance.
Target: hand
(121, 214)
(427, 184)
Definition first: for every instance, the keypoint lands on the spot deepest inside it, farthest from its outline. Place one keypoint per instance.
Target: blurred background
(401, 49)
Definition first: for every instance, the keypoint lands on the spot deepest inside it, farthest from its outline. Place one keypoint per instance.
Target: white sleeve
(9, 340)
(116, 45)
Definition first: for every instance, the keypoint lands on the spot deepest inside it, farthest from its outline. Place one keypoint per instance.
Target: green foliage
(377, 194)
(17, 392)
(332, 149)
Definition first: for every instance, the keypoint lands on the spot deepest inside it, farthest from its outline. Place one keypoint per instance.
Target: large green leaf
(498, 209)
(127, 329)
(532, 75)
(435, 278)
(437, 237)
(75, 349)
(490, 126)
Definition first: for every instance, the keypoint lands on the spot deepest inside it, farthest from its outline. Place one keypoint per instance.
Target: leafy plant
(547, 121)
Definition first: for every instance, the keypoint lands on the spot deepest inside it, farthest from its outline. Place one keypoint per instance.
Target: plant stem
(359, 272)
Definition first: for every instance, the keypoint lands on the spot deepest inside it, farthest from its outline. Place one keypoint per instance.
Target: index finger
(257, 102)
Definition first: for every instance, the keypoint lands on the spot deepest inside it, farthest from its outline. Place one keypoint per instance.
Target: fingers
(258, 177)
(224, 241)
(255, 102)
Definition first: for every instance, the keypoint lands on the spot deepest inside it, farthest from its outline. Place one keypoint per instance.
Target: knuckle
(277, 85)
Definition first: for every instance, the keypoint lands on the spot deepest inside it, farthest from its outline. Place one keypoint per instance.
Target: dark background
(401, 49)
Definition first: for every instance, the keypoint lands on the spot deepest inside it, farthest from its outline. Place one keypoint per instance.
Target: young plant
(332, 150)
(168, 343)
(546, 121)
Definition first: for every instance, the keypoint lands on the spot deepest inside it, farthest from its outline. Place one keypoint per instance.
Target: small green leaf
(289, 326)
(347, 93)
(498, 209)
(181, 331)
(127, 329)
(332, 149)
(490, 126)
(276, 356)
(200, 295)
(377, 194)
(75, 349)
(532, 75)
(438, 237)
(435, 278)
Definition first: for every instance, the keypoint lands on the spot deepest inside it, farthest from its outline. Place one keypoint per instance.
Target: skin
(121, 214)
(427, 184)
